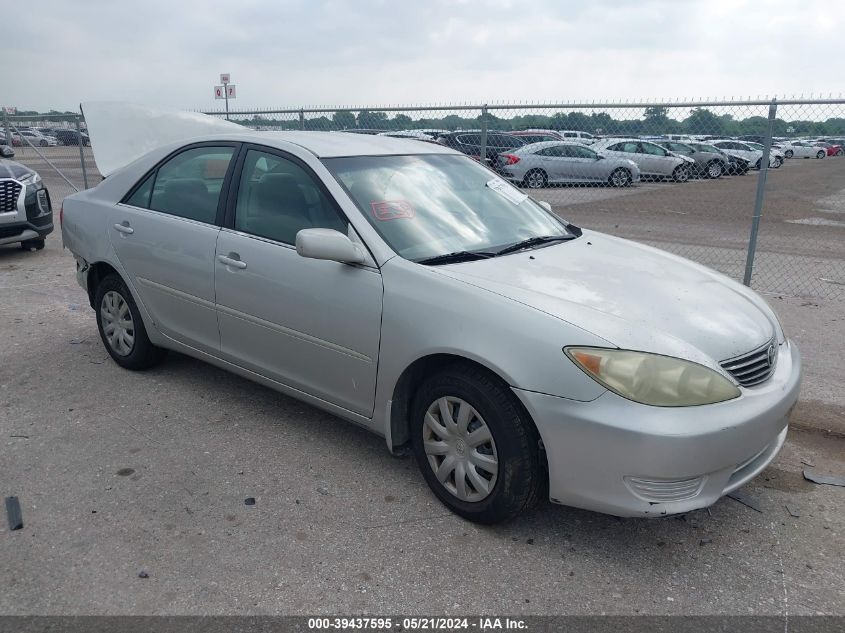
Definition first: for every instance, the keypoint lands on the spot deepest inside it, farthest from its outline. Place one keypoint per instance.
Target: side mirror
(599, 156)
(545, 205)
(6, 151)
(328, 244)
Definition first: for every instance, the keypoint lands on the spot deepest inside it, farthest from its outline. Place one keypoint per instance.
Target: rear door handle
(230, 261)
(124, 228)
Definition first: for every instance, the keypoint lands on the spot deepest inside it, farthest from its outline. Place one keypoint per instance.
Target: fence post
(81, 153)
(302, 119)
(8, 131)
(483, 157)
(761, 192)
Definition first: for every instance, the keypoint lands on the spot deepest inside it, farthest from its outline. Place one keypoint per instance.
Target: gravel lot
(120, 473)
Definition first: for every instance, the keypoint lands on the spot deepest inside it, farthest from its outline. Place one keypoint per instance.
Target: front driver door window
(309, 324)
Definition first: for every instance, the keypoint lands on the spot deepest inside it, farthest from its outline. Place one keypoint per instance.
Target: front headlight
(31, 179)
(660, 381)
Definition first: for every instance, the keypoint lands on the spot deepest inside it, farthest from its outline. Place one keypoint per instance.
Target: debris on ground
(704, 541)
(143, 574)
(829, 479)
(322, 490)
(808, 461)
(746, 500)
(249, 501)
(13, 512)
(793, 510)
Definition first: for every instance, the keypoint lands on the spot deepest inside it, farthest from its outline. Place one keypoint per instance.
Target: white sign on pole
(10, 109)
(219, 92)
(224, 78)
(230, 91)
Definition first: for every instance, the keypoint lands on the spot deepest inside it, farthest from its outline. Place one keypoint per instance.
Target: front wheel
(535, 179)
(777, 163)
(789, 153)
(620, 177)
(820, 154)
(121, 328)
(680, 174)
(478, 450)
(714, 169)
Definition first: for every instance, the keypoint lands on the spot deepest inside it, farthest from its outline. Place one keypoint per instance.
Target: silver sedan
(556, 162)
(654, 161)
(408, 289)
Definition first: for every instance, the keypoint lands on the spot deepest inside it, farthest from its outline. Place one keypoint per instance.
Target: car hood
(633, 296)
(12, 169)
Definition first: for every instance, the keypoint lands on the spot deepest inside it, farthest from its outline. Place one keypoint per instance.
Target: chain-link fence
(693, 178)
(54, 145)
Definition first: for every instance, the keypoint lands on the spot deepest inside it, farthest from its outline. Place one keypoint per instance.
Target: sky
(296, 53)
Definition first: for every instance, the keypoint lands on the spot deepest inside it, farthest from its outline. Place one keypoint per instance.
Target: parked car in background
(654, 161)
(537, 136)
(802, 149)
(709, 161)
(418, 135)
(832, 150)
(838, 142)
(469, 143)
(576, 135)
(776, 155)
(753, 138)
(365, 130)
(742, 150)
(556, 162)
(37, 138)
(71, 137)
(26, 215)
(737, 166)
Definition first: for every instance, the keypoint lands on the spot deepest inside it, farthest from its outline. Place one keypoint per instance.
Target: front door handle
(234, 262)
(124, 228)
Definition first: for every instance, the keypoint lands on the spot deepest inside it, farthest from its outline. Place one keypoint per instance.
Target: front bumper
(31, 217)
(615, 456)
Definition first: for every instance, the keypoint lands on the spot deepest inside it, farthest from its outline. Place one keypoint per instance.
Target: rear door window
(189, 184)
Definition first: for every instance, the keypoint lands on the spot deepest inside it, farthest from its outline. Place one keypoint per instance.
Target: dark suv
(25, 212)
(70, 137)
(469, 142)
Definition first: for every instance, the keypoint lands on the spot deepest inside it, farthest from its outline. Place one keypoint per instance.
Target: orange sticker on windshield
(392, 209)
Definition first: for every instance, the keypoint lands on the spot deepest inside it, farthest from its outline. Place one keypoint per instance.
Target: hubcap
(619, 178)
(715, 170)
(535, 180)
(117, 323)
(460, 449)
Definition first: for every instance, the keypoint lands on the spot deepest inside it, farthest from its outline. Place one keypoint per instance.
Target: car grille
(754, 367)
(10, 190)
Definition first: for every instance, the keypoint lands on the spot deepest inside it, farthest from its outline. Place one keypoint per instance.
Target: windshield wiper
(457, 256)
(534, 241)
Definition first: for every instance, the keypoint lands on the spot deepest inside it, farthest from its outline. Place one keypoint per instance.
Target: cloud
(333, 52)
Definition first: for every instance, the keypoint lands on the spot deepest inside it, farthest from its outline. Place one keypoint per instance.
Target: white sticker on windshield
(504, 189)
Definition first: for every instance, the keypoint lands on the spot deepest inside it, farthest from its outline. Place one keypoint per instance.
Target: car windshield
(425, 206)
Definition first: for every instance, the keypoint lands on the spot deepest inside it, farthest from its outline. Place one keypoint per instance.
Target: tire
(519, 481)
(758, 164)
(535, 179)
(140, 353)
(715, 169)
(620, 177)
(680, 173)
(777, 163)
(43, 143)
(33, 245)
(821, 155)
(789, 153)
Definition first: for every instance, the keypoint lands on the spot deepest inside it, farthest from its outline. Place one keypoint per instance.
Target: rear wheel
(820, 154)
(620, 177)
(477, 449)
(535, 179)
(714, 169)
(121, 327)
(680, 173)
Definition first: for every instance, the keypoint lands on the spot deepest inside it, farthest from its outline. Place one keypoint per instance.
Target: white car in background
(37, 138)
(802, 149)
(776, 155)
(741, 149)
(579, 137)
(654, 161)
